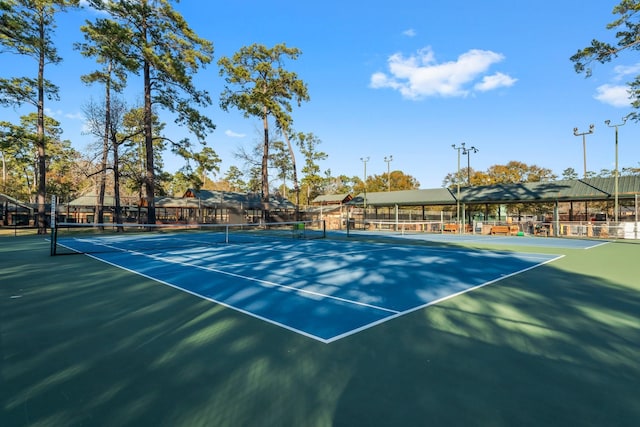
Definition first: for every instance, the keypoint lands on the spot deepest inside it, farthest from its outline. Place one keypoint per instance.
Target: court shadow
(546, 347)
(85, 343)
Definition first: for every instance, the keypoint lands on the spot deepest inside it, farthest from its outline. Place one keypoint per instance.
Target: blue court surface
(323, 289)
(543, 242)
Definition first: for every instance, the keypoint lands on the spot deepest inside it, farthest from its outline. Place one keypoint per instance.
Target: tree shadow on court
(546, 347)
(84, 343)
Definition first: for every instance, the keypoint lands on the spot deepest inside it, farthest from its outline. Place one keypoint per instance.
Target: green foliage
(27, 30)
(376, 183)
(259, 86)
(233, 178)
(18, 151)
(133, 159)
(312, 181)
(569, 173)
(627, 33)
(513, 172)
(156, 41)
(206, 161)
(280, 160)
(257, 83)
(341, 184)
(152, 34)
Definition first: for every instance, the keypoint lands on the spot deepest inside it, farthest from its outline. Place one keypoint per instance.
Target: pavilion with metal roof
(546, 197)
(592, 189)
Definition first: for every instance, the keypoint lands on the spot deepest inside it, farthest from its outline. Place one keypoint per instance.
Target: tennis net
(68, 238)
(405, 226)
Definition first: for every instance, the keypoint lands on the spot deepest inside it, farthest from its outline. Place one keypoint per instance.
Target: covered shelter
(593, 199)
(14, 212)
(211, 206)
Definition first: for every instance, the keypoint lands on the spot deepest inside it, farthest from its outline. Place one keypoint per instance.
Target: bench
(450, 228)
(505, 229)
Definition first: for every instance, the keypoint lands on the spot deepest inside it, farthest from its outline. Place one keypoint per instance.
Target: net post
(53, 225)
(348, 223)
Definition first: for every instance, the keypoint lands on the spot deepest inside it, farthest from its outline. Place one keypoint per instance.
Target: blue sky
(405, 79)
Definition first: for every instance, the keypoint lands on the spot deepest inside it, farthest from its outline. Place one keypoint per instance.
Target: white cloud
(622, 71)
(419, 76)
(52, 113)
(74, 116)
(495, 81)
(85, 4)
(409, 33)
(615, 95)
(233, 134)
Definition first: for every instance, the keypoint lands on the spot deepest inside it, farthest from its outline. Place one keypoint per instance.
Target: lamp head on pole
(624, 120)
(576, 133)
(466, 151)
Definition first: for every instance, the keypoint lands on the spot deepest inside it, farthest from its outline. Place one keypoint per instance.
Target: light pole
(467, 152)
(584, 156)
(365, 160)
(388, 160)
(615, 173)
(584, 145)
(458, 149)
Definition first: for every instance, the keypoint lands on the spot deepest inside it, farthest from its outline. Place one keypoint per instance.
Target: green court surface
(86, 343)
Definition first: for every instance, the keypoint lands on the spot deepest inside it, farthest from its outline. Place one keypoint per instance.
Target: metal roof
(527, 192)
(8, 200)
(332, 199)
(230, 199)
(436, 196)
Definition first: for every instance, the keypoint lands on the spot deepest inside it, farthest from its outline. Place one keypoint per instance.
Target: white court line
(296, 254)
(261, 281)
(393, 313)
(437, 301)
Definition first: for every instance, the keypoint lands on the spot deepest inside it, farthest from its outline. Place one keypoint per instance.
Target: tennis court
(393, 332)
(323, 289)
(469, 238)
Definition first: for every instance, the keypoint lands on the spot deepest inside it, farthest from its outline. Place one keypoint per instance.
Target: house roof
(92, 199)
(8, 200)
(327, 199)
(228, 199)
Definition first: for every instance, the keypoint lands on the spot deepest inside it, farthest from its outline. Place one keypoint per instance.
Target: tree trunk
(265, 170)
(102, 183)
(296, 188)
(116, 185)
(40, 141)
(149, 182)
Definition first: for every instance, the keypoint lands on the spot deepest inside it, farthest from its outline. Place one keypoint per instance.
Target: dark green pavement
(84, 343)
